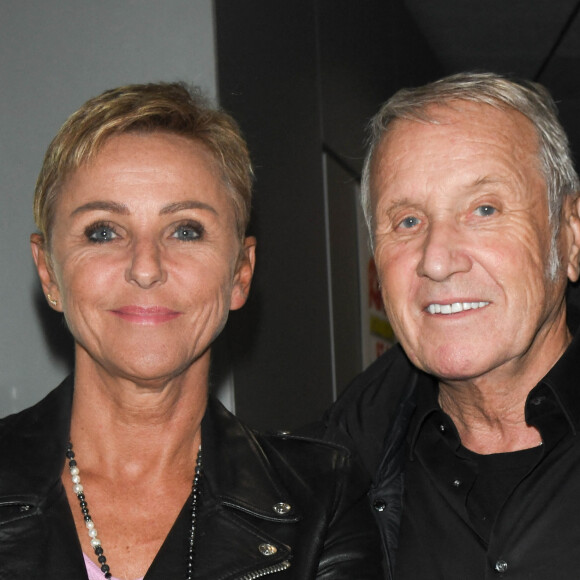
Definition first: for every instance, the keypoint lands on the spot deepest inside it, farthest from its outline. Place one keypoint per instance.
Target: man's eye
(409, 222)
(100, 233)
(188, 232)
(485, 210)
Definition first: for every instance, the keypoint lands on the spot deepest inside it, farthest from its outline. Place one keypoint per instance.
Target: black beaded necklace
(96, 543)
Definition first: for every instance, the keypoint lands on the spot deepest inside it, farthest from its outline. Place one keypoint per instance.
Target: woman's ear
(244, 273)
(45, 272)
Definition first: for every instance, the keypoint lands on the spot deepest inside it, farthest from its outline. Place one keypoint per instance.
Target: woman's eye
(485, 210)
(409, 222)
(188, 232)
(100, 233)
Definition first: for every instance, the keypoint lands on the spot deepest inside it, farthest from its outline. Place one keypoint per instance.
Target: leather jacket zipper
(267, 571)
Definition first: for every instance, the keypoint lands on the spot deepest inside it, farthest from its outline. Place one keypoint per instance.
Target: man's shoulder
(366, 411)
(380, 386)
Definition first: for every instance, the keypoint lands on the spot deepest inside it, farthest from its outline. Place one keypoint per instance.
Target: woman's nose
(444, 252)
(146, 267)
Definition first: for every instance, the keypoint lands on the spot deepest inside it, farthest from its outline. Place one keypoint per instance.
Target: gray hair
(530, 99)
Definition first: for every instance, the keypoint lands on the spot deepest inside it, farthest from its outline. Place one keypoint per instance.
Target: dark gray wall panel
(280, 341)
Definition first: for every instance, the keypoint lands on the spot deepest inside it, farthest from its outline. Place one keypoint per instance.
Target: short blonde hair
(169, 107)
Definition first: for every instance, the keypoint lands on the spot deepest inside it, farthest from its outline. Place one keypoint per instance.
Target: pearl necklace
(96, 543)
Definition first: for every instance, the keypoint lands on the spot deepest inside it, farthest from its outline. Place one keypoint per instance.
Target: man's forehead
(458, 112)
(463, 120)
(471, 145)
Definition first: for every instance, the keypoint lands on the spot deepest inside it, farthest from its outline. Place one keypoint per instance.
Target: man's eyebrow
(110, 206)
(183, 205)
(395, 204)
(486, 180)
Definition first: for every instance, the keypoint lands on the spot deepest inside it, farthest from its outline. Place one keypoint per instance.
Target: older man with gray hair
(469, 427)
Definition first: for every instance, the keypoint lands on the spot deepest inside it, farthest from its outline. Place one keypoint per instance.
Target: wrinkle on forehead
(465, 125)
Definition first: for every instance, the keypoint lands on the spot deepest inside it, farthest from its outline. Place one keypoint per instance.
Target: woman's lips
(146, 315)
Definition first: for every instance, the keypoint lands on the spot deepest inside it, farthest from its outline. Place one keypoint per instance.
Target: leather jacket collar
(37, 534)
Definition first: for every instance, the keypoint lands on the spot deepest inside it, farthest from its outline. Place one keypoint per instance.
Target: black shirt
(497, 475)
(511, 515)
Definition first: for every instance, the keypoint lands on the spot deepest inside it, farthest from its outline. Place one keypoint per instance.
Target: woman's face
(145, 261)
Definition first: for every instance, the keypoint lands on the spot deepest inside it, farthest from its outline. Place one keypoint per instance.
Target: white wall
(54, 55)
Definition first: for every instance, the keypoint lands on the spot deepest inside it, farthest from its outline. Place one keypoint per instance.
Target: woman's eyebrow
(110, 206)
(120, 208)
(183, 205)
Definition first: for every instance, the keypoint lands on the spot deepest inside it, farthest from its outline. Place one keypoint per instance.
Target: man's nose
(146, 267)
(444, 252)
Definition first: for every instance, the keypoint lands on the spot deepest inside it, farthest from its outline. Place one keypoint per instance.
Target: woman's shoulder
(53, 407)
(314, 469)
(33, 440)
(284, 452)
(330, 485)
(329, 472)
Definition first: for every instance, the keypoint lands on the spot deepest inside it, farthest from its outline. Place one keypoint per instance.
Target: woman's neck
(131, 428)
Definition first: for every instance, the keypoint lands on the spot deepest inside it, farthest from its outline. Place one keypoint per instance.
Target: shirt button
(537, 401)
(379, 505)
(501, 566)
(456, 483)
(442, 428)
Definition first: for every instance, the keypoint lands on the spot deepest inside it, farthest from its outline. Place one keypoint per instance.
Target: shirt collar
(427, 404)
(562, 379)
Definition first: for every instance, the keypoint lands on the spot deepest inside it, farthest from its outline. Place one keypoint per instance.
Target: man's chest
(533, 532)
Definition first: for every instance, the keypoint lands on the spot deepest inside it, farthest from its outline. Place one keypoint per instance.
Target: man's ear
(244, 273)
(45, 272)
(572, 224)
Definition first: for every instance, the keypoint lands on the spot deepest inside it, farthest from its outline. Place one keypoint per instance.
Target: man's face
(462, 243)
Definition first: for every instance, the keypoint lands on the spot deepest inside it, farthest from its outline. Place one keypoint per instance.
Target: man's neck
(486, 426)
(489, 411)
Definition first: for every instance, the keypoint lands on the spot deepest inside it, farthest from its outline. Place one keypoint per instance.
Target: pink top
(94, 572)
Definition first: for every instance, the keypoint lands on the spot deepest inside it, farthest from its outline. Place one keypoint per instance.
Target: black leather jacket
(372, 416)
(328, 533)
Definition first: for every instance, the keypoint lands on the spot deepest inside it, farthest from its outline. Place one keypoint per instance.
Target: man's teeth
(455, 307)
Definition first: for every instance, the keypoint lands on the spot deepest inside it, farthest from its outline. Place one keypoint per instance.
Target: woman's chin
(148, 369)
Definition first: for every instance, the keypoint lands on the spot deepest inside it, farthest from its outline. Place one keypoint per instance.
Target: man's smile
(454, 307)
